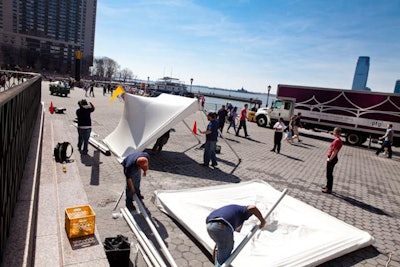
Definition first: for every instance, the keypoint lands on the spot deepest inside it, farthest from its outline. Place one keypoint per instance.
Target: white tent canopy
(145, 119)
(296, 234)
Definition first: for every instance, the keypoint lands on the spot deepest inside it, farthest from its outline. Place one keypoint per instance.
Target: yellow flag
(120, 90)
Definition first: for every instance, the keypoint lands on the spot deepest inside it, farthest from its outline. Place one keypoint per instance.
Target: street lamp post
(191, 82)
(268, 89)
(148, 79)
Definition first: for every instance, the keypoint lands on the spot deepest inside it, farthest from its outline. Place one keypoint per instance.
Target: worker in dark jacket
(84, 124)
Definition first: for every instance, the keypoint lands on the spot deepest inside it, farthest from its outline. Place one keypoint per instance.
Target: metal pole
(155, 232)
(191, 131)
(149, 248)
(230, 146)
(252, 233)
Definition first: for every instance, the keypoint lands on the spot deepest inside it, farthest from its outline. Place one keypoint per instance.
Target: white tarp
(145, 119)
(296, 234)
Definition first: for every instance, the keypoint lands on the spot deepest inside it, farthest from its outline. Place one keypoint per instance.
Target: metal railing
(19, 104)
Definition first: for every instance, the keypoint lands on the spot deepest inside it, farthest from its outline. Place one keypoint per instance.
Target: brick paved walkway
(366, 187)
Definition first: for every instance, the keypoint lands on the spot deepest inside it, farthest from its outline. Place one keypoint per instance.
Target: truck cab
(282, 107)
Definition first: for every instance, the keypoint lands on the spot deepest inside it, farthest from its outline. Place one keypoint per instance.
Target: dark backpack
(60, 152)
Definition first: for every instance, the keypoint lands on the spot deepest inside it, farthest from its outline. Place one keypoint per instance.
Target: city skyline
(253, 44)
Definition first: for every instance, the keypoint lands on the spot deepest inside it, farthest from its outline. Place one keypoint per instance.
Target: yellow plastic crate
(79, 221)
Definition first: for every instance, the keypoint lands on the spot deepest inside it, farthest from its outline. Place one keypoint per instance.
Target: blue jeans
(223, 238)
(136, 178)
(83, 138)
(209, 153)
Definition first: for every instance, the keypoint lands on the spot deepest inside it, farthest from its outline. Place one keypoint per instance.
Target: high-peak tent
(145, 119)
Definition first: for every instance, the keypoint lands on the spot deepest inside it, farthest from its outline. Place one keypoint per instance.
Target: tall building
(397, 87)
(43, 35)
(361, 74)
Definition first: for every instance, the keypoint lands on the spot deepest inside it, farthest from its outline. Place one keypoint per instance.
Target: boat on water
(171, 86)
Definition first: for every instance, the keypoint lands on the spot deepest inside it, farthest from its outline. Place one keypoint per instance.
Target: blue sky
(253, 43)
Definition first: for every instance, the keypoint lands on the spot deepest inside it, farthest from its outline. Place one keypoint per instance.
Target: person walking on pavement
(222, 113)
(232, 119)
(91, 92)
(211, 140)
(221, 224)
(296, 126)
(242, 121)
(279, 127)
(133, 165)
(387, 141)
(332, 160)
(84, 124)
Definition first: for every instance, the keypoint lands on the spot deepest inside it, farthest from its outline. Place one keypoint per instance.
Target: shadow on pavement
(353, 258)
(179, 163)
(360, 204)
(93, 162)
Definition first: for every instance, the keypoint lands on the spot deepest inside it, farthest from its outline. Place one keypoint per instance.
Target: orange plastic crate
(79, 221)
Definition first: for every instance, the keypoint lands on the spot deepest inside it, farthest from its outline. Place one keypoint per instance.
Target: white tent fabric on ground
(145, 119)
(296, 233)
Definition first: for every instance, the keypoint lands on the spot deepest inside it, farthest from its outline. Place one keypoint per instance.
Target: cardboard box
(79, 221)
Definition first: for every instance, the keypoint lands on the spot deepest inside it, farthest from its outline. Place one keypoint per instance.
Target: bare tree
(111, 68)
(99, 69)
(126, 74)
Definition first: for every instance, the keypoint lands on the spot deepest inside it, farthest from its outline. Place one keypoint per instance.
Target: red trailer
(360, 114)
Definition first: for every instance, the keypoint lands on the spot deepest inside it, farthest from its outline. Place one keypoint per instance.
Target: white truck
(360, 114)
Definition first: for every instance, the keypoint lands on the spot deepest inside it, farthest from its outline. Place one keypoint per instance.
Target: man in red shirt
(242, 121)
(332, 159)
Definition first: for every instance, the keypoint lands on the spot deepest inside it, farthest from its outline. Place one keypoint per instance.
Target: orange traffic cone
(194, 130)
(51, 108)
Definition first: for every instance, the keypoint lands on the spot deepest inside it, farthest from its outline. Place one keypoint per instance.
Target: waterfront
(214, 103)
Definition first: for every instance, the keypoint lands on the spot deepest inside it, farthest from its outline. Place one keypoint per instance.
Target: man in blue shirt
(133, 164)
(211, 140)
(222, 222)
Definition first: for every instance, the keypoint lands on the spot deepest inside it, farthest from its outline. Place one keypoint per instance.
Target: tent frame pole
(191, 131)
(155, 232)
(149, 248)
(234, 152)
(253, 231)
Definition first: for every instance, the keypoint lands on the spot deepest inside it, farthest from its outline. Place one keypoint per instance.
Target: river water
(214, 103)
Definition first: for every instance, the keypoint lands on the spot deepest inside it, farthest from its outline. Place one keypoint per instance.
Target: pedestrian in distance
(222, 114)
(278, 127)
(84, 124)
(133, 165)
(332, 160)
(211, 140)
(86, 88)
(232, 119)
(91, 92)
(242, 121)
(221, 224)
(296, 126)
(290, 130)
(387, 141)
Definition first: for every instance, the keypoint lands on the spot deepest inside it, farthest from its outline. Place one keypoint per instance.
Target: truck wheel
(261, 121)
(353, 139)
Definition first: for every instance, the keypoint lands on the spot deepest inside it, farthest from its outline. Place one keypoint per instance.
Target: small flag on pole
(194, 130)
(119, 91)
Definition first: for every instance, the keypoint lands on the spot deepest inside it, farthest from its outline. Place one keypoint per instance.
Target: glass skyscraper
(361, 74)
(43, 35)
(397, 87)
